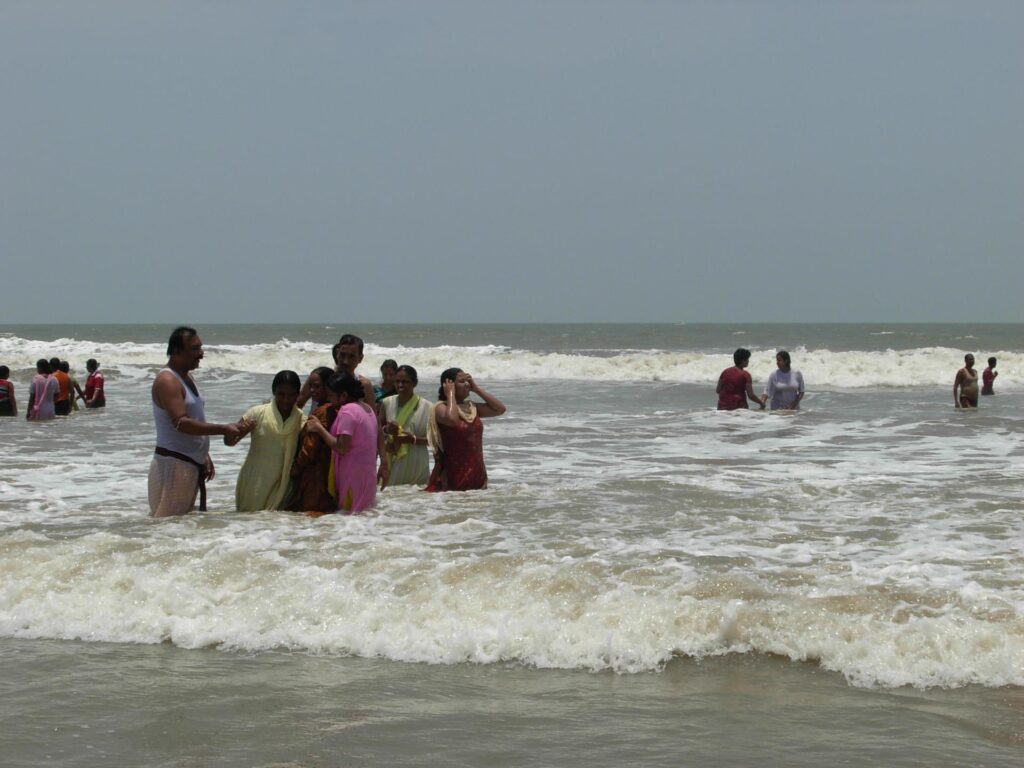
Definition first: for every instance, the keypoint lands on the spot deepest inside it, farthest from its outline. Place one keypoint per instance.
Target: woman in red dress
(457, 432)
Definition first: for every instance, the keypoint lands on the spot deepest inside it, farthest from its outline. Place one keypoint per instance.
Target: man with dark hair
(76, 391)
(95, 397)
(348, 354)
(62, 400)
(182, 463)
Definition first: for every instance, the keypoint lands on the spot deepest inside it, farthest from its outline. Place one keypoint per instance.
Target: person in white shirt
(785, 386)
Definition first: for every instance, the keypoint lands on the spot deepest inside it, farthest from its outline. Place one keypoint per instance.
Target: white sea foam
(374, 587)
(822, 368)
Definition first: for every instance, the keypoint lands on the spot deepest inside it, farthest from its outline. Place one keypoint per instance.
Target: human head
(969, 360)
(65, 366)
(318, 379)
(347, 385)
(4, 371)
(91, 364)
(285, 388)
(179, 337)
(54, 364)
(185, 348)
(991, 362)
(348, 353)
(449, 374)
(406, 379)
(42, 365)
(387, 374)
(782, 359)
(741, 357)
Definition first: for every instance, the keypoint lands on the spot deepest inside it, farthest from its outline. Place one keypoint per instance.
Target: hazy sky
(511, 161)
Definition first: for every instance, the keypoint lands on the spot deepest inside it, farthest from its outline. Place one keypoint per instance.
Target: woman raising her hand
(456, 433)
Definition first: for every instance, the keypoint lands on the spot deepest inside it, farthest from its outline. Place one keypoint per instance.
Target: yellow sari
(266, 474)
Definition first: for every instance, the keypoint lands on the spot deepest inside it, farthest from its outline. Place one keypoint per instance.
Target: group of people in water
(785, 386)
(54, 390)
(356, 439)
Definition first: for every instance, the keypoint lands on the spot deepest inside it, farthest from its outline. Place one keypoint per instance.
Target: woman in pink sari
(41, 393)
(356, 441)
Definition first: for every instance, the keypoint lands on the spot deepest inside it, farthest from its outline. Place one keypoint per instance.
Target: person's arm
(78, 389)
(244, 425)
(368, 394)
(304, 394)
(769, 386)
(957, 384)
(14, 402)
(340, 444)
(491, 406)
(169, 395)
(384, 471)
(750, 392)
(31, 400)
(446, 411)
(800, 392)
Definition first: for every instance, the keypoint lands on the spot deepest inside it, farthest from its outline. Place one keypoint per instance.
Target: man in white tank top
(181, 464)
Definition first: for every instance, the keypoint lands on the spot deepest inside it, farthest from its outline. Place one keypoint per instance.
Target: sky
(554, 161)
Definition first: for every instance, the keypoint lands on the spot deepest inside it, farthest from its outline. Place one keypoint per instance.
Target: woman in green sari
(404, 418)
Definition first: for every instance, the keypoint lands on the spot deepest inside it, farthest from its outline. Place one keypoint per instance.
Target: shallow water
(645, 576)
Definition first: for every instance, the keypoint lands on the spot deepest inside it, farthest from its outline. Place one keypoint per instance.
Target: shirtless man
(182, 463)
(967, 382)
(348, 354)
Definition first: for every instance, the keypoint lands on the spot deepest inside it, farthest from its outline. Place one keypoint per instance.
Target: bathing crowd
(356, 437)
(54, 390)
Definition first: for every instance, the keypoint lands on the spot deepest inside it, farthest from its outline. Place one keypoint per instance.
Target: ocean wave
(251, 591)
(822, 368)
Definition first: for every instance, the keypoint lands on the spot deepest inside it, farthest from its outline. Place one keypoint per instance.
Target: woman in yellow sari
(404, 418)
(275, 427)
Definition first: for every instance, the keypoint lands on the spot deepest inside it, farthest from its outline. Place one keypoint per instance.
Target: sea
(646, 581)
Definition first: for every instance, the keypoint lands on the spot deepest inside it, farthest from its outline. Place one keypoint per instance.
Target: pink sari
(355, 473)
(44, 388)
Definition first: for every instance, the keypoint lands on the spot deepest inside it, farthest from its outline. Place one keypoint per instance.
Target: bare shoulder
(166, 384)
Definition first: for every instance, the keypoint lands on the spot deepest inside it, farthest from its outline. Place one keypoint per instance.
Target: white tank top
(196, 447)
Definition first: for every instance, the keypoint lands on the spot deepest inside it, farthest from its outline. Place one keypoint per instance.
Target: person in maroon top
(456, 433)
(988, 377)
(735, 384)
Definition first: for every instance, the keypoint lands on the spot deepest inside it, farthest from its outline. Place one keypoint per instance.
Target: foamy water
(877, 534)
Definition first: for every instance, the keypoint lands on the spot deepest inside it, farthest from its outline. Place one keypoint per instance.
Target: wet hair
(43, 365)
(784, 355)
(4, 371)
(285, 379)
(349, 339)
(54, 364)
(991, 362)
(323, 372)
(968, 356)
(346, 384)
(65, 366)
(91, 364)
(176, 343)
(390, 364)
(740, 355)
(409, 371)
(450, 374)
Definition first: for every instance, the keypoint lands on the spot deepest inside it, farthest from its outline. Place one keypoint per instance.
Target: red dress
(732, 389)
(461, 466)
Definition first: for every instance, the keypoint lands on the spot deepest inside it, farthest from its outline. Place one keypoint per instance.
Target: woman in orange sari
(456, 433)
